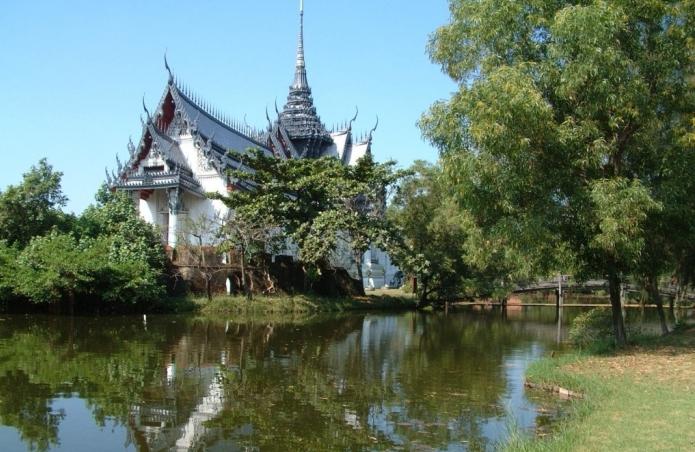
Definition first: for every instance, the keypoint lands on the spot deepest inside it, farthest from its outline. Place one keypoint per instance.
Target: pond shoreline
(308, 304)
(658, 373)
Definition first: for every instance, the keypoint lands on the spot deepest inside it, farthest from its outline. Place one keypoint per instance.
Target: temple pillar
(174, 199)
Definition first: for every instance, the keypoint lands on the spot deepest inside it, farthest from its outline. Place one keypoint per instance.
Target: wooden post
(622, 300)
(559, 308)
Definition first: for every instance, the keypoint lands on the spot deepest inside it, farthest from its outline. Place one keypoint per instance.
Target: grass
(640, 398)
(306, 304)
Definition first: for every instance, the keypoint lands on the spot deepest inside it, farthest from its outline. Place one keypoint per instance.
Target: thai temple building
(182, 155)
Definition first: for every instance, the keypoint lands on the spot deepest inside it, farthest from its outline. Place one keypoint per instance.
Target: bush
(594, 329)
(591, 327)
(8, 256)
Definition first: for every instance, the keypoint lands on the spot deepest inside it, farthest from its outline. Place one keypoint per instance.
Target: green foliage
(558, 141)
(315, 203)
(131, 238)
(591, 327)
(434, 236)
(51, 268)
(8, 256)
(110, 259)
(32, 208)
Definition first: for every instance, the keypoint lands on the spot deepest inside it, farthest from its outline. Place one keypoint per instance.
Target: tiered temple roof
(297, 132)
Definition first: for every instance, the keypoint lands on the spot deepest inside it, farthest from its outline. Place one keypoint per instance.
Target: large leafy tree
(32, 208)
(131, 238)
(563, 120)
(53, 268)
(318, 204)
(435, 240)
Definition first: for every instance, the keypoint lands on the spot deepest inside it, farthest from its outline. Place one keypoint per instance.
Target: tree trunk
(360, 275)
(655, 298)
(71, 301)
(616, 309)
(208, 289)
(670, 307)
(422, 301)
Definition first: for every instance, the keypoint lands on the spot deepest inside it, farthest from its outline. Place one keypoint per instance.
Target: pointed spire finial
(300, 81)
(371, 132)
(357, 112)
(166, 66)
(149, 117)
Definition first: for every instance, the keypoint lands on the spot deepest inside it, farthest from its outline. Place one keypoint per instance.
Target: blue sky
(73, 73)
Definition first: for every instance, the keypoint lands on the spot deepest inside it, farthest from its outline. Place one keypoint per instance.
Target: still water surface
(407, 381)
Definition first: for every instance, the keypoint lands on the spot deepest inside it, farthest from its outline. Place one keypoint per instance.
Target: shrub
(591, 327)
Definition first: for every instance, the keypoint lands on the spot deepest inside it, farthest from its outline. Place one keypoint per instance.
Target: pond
(409, 381)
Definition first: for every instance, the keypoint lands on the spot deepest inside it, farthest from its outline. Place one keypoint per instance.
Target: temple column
(174, 198)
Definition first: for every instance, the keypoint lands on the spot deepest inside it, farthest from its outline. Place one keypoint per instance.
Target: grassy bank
(641, 398)
(233, 305)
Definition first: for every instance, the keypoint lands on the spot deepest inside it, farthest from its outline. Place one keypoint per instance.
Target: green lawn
(640, 399)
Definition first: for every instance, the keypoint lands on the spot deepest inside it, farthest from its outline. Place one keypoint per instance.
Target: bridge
(669, 291)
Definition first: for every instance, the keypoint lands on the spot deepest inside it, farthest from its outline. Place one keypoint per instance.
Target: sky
(73, 73)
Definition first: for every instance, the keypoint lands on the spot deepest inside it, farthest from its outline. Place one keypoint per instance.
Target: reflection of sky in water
(77, 431)
(386, 337)
(414, 381)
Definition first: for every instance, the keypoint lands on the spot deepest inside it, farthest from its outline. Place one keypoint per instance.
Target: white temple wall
(190, 153)
(196, 208)
(377, 269)
(147, 211)
(155, 210)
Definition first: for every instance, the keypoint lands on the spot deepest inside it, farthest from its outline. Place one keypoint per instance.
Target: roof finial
(371, 132)
(166, 66)
(149, 117)
(267, 116)
(357, 112)
(300, 81)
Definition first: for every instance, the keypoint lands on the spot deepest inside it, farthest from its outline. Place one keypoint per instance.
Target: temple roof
(299, 117)
(225, 135)
(296, 133)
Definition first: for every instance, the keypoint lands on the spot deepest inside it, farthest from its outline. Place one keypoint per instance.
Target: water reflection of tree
(282, 392)
(358, 382)
(431, 381)
(31, 415)
(45, 358)
(454, 378)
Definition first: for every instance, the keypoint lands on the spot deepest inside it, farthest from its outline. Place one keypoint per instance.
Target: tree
(314, 203)
(53, 268)
(8, 256)
(364, 190)
(126, 253)
(32, 208)
(201, 239)
(248, 238)
(557, 133)
(132, 238)
(433, 229)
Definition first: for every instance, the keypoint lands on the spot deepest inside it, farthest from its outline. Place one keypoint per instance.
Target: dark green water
(357, 382)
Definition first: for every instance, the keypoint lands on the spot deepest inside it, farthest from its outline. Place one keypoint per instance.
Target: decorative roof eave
(179, 96)
(160, 180)
(286, 139)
